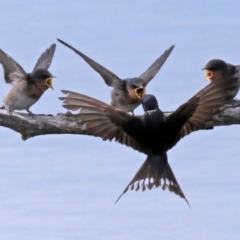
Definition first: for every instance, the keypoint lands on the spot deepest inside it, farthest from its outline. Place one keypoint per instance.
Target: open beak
(208, 74)
(49, 82)
(140, 92)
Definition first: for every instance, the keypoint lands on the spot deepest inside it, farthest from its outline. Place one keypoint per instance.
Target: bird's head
(43, 78)
(214, 69)
(136, 87)
(149, 102)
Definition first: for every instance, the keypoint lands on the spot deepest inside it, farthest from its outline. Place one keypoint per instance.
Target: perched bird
(217, 68)
(153, 133)
(26, 88)
(126, 93)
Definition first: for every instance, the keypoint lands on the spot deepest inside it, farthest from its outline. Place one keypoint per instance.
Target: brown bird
(126, 93)
(26, 88)
(217, 68)
(153, 133)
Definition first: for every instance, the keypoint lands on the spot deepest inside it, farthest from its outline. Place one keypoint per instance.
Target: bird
(216, 68)
(152, 133)
(126, 93)
(27, 88)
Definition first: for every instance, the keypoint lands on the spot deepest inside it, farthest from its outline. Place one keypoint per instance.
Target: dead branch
(34, 125)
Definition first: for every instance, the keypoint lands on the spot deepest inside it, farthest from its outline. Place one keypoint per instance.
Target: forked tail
(155, 171)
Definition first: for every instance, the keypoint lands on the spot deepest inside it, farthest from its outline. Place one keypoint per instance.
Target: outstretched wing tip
(45, 60)
(155, 67)
(118, 198)
(65, 91)
(53, 46)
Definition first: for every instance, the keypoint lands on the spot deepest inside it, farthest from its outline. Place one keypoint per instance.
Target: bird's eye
(134, 86)
(44, 76)
(41, 76)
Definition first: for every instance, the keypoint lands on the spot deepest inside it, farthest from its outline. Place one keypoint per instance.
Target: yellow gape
(140, 92)
(49, 82)
(208, 74)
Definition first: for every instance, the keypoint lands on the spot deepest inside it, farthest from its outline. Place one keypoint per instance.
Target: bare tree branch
(34, 125)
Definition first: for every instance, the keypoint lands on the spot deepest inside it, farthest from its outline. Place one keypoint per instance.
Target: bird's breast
(33, 91)
(123, 101)
(18, 99)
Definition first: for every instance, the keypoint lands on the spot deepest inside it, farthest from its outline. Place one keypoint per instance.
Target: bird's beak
(140, 92)
(208, 74)
(49, 82)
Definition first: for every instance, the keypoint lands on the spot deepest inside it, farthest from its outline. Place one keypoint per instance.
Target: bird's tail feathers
(155, 171)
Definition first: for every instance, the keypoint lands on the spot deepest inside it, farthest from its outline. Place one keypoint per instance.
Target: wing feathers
(109, 77)
(211, 98)
(151, 72)
(45, 59)
(13, 72)
(100, 119)
(103, 120)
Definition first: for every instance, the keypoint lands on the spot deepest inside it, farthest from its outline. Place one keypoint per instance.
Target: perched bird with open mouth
(217, 68)
(126, 93)
(26, 88)
(152, 133)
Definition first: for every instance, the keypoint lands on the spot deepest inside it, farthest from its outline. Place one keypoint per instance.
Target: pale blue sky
(64, 186)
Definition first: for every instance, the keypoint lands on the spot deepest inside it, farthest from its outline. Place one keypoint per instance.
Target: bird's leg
(30, 113)
(8, 110)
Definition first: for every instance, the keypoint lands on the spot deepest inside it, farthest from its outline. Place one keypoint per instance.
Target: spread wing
(13, 72)
(109, 77)
(150, 73)
(45, 59)
(102, 120)
(210, 99)
(155, 171)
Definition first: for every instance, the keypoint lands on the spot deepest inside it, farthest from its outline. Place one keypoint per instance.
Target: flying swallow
(153, 133)
(217, 68)
(126, 93)
(26, 88)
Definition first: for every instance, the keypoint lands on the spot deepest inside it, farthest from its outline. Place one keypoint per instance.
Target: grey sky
(65, 186)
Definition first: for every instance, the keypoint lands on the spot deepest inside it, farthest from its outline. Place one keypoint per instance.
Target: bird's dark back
(150, 131)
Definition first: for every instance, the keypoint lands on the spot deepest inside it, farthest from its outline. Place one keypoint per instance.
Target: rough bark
(34, 125)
